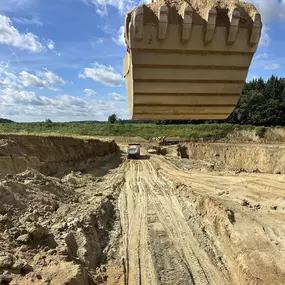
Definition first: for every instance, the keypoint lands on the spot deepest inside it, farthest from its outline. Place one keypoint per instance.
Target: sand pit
(159, 220)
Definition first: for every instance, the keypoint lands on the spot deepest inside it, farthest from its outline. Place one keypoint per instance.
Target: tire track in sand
(159, 245)
(133, 203)
(193, 233)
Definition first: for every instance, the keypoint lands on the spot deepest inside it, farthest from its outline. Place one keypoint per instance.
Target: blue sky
(62, 59)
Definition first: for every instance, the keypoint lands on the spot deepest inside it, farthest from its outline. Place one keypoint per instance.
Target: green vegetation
(112, 119)
(260, 131)
(2, 120)
(146, 131)
(262, 103)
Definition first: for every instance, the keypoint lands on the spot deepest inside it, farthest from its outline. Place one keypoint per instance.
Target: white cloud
(16, 5)
(262, 61)
(26, 21)
(52, 78)
(99, 41)
(95, 42)
(270, 9)
(261, 56)
(271, 66)
(102, 5)
(120, 39)
(106, 75)
(70, 101)
(117, 36)
(50, 45)
(14, 97)
(89, 92)
(30, 80)
(116, 97)
(265, 39)
(27, 106)
(4, 64)
(108, 30)
(9, 35)
(9, 80)
(42, 79)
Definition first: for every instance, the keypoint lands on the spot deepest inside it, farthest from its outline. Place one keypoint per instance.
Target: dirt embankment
(260, 135)
(247, 157)
(57, 230)
(50, 155)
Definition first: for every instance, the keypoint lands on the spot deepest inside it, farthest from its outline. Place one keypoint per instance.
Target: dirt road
(201, 228)
(160, 220)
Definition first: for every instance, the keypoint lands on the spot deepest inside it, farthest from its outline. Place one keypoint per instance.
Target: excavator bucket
(188, 59)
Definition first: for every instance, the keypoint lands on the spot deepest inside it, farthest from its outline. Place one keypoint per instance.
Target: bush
(260, 131)
(112, 119)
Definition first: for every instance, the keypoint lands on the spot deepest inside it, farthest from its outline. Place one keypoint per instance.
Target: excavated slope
(50, 155)
(250, 157)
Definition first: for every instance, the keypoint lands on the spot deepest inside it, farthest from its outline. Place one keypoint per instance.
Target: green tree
(2, 120)
(48, 121)
(112, 119)
(262, 103)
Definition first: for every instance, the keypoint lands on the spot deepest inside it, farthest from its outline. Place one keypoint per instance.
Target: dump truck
(133, 151)
(188, 60)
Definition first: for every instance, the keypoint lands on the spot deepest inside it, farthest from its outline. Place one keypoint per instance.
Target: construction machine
(163, 141)
(133, 151)
(188, 59)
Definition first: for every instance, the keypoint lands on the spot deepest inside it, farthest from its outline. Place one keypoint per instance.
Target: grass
(260, 131)
(145, 131)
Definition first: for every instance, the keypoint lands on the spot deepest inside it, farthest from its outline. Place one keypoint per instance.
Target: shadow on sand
(142, 157)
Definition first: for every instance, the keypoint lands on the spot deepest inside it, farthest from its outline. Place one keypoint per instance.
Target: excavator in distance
(188, 59)
(163, 141)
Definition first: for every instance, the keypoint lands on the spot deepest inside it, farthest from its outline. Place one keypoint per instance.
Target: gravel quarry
(77, 212)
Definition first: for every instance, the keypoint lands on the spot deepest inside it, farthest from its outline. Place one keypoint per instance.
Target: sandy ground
(157, 220)
(201, 228)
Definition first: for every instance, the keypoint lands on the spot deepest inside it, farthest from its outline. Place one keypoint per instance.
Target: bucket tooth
(138, 23)
(234, 26)
(256, 29)
(162, 22)
(211, 26)
(187, 16)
